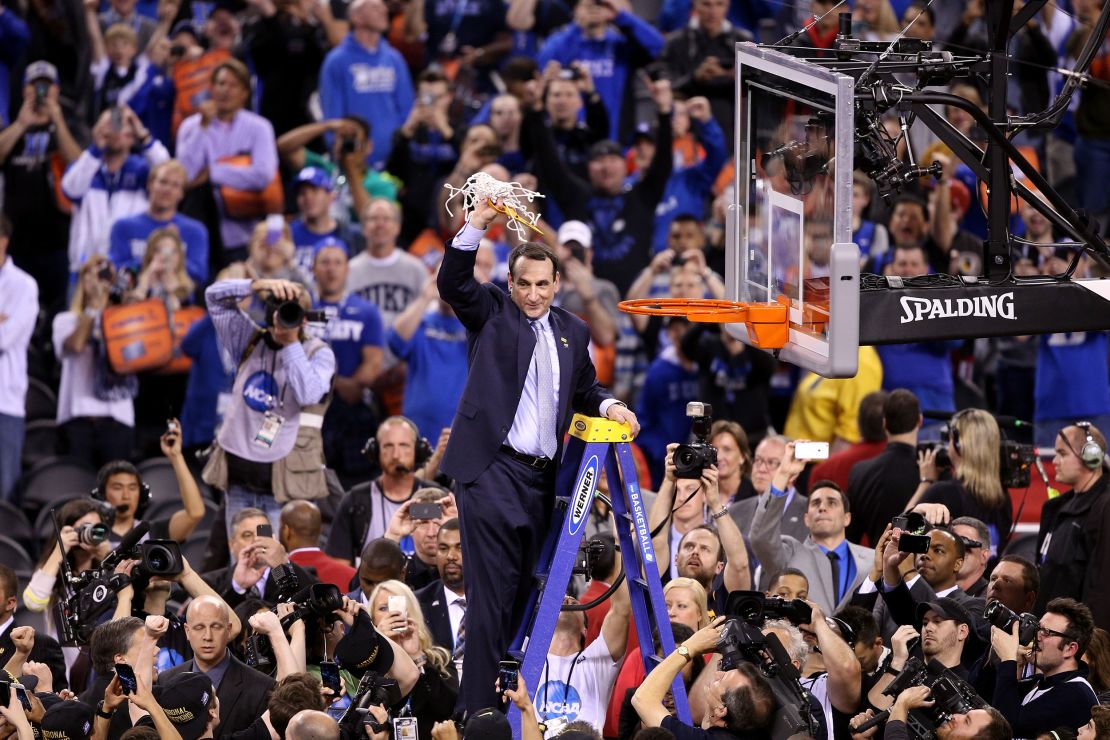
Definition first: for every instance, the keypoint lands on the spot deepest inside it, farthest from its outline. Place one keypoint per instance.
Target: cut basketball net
(768, 323)
(514, 200)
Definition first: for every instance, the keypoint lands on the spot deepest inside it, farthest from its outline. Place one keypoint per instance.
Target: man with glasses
(1058, 695)
(765, 463)
(1071, 546)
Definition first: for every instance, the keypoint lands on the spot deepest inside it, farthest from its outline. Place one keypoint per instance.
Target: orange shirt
(191, 80)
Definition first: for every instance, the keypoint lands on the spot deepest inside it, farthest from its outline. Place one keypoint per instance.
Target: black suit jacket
(220, 581)
(46, 650)
(244, 694)
(500, 344)
(437, 619)
(879, 489)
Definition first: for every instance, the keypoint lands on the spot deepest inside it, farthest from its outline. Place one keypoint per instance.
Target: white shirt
(587, 696)
(19, 302)
(261, 585)
(6, 626)
(455, 612)
(524, 433)
(76, 396)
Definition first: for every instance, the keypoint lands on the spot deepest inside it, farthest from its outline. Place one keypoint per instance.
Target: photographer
(1015, 582)
(978, 724)
(129, 641)
(1058, 695)
(838, 687)
(740, 701)
(96, 411)
(281, 371)
(694, 506)
(833, 566)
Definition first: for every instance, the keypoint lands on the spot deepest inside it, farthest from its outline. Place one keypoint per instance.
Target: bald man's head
(310, 724)
(208, 629)
(300, 525)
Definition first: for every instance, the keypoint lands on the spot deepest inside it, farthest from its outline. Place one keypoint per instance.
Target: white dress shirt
(455, 611)
(19, 304)
(524, 434)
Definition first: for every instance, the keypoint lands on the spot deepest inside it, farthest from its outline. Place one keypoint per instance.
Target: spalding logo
(580, 506)
(259, 391)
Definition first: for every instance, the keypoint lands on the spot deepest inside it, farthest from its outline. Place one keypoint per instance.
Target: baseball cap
(40, 71)
(362, 647)
(314, 176)
(68, 720)
(326, 242)
(488, 724)
(186, 698)
(605, 147)
(947, 608)
(575, 231)
(645, 130)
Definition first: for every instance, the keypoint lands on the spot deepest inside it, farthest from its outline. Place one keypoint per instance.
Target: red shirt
(328, 569)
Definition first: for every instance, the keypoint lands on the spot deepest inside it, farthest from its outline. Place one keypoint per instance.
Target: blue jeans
(11, 454)
(1092, 162)
(237, 499)
(1045, 430)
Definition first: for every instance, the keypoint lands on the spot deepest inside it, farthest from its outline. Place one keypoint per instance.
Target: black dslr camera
(373, 690)
(755, 608)
(291, 314)
(915, 528)
(691, 459)
(1004, 619)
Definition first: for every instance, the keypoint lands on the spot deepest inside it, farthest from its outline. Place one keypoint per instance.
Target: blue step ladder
(596, 446)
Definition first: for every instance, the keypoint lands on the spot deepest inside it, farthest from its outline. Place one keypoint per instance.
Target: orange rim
(768, 324)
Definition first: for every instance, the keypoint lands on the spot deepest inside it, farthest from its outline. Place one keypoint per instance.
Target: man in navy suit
(530, 370)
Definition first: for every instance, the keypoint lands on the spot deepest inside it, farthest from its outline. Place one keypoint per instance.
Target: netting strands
(515, 200)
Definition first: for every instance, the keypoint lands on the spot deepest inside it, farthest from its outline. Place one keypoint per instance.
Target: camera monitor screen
(790, 220)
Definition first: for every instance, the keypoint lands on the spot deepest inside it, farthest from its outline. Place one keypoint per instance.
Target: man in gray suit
(834, 566)
(768, 455)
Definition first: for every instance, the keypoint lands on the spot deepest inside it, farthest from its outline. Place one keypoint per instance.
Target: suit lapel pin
(566, 344)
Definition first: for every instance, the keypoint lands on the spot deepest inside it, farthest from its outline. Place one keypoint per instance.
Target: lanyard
(570, 675)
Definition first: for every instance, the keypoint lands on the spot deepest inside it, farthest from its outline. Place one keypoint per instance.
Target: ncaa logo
(259, 391)
(580, 505)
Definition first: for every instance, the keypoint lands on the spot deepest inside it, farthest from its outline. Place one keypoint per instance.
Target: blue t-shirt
(668, 387)
(127, 242)
(305, 241)
(1073, 381)
(436, 357)
(923, 368)
(353, 323)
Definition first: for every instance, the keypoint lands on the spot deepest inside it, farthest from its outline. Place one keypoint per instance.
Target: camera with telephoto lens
(690, 460)
(1004, 619)
(951, 695)
(161, 558)
(373, 690)
(91, 534)
(915, 528)
(291, 314)
(755, 608)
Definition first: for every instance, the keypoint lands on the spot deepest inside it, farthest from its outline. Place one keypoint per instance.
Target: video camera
(318, 599)
(1004, 619)
(755, 608)
(373, 690)
(951, 695)
(1015, 460)
(690, 460)
(88, 594)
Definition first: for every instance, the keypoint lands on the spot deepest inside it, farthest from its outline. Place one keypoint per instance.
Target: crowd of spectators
(220, 158)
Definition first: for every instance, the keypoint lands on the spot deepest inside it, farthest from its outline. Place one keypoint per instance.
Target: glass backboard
(790, 224)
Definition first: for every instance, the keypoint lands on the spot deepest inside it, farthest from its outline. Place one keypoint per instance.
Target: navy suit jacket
(438, 621)
(500, 343)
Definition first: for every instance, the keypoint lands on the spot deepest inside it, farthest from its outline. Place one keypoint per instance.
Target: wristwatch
(100, 710)
(684, 652)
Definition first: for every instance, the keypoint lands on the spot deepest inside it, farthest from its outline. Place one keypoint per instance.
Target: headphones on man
(1091, 453)
(116, 467)
(423, 448)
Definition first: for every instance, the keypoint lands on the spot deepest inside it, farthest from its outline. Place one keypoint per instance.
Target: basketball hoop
(768, 324)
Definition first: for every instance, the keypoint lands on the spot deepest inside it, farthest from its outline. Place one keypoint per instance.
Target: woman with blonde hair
(433, 698)
(96, 411)
(163, 273)
(975, 488)
(687, 605)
